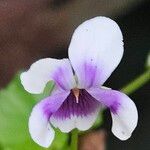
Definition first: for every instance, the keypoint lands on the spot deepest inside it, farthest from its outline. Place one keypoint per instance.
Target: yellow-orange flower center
(76, 93)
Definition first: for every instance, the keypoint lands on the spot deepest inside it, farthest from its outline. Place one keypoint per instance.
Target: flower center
(76, 93)
(83, 105)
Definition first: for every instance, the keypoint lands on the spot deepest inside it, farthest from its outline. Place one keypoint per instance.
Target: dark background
(30, 30)
(136, 29)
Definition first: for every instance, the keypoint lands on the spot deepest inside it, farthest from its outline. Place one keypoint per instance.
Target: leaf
(99, 120)
(15, 107)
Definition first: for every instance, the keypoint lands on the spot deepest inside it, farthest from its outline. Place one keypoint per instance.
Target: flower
(148, 60)
(95, 50)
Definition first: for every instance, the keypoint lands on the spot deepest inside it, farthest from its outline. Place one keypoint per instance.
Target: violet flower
(95, 50)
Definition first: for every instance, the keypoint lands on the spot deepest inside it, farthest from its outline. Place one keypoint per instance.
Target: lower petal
(79, 115)
(39, 126)
(82, 123)
(123, 110)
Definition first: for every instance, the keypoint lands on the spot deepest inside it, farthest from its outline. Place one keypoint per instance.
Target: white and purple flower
(95, 51)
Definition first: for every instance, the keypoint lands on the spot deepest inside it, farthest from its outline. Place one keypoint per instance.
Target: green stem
(74, 139)
(137, 83)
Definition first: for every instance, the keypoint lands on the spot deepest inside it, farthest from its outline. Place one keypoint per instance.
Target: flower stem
(137, 83)
(74, 139)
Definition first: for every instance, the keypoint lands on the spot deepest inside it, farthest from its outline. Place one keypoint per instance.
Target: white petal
(125, 121)
(123, 111)
(82, 123)
(44, 70)
(95, 51)
(148, 60)
(39, 125)
(40, 129)
(64, 125)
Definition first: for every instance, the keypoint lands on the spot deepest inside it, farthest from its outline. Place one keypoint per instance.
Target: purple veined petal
(39, 125)
(35, 79)
(79, 115)
(123, 111)
(95, 51)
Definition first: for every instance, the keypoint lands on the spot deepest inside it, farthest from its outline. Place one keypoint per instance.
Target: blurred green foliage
(15, 107)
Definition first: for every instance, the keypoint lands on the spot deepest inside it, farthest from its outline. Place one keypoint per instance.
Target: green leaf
(99, 120)
(15, 107)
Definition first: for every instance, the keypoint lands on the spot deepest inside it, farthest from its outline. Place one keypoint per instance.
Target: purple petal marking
(90, 75)
(114, 107)
(60, 78)
(85, 106)
(64, 77)
(52, 103)
(107, 97)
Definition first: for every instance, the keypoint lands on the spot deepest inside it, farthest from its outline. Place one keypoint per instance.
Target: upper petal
(123, 111)
(39, 126)
(35, 79)
(95, 50)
